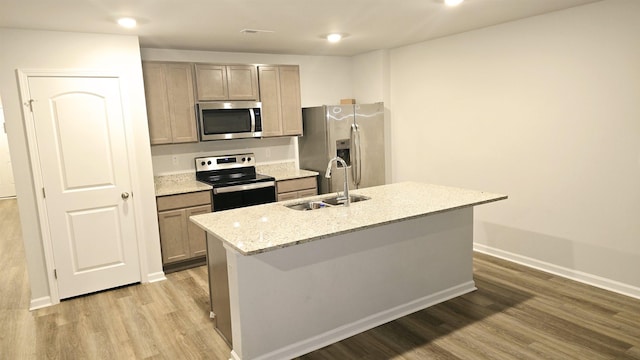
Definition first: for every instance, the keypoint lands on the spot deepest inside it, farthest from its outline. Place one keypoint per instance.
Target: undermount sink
(323, 203)
(310, 205)
(337, 201)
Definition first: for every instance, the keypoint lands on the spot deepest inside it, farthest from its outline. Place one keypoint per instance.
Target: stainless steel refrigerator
(353, 132)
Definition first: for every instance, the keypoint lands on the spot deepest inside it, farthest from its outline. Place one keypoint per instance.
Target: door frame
(34, 157)
(3, 133)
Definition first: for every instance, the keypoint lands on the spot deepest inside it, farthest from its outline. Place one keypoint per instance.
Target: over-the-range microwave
(221, 120)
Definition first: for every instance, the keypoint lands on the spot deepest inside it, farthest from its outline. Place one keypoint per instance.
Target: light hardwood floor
(517, 313)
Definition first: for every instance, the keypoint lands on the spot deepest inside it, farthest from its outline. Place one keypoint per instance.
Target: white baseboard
(343, 332)
(155, 277)
(40, 303)
(589, 279)
(45, 301)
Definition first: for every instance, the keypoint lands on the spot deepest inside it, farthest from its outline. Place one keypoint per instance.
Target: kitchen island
(300, 280)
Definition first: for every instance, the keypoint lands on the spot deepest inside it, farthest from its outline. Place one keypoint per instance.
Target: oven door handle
(236, 188)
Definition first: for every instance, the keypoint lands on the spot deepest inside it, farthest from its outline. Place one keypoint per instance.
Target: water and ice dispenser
(343, 150)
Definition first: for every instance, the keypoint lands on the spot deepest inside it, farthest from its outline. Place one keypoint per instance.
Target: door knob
(125, 195)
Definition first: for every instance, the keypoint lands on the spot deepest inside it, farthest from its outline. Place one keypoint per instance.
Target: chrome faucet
(345, 192)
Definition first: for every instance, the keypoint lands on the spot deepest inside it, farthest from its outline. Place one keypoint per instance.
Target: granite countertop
(262, 228)
(186, 182)
(284, 171)
(178, 184)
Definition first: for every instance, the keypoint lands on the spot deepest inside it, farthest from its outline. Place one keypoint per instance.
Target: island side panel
(219, 287)
(291, 301)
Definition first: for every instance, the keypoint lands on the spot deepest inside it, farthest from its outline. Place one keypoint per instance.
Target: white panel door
(7, 184)
(82, 147)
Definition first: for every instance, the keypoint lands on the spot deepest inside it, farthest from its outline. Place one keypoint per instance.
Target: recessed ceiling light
(127, 22)
(334, 38)
(453, 2)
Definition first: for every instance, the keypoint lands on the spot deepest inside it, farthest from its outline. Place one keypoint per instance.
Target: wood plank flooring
(517, 313)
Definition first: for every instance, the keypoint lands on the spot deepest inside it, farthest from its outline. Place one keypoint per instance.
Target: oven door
(237, 196)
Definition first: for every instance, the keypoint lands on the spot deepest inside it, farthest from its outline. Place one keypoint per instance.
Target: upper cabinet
(226, 82)
(280, 96)
(170, 102)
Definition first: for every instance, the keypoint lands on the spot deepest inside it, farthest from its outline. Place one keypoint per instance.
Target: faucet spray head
(327, 174)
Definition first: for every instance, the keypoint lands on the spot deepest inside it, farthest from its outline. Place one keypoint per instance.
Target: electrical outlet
(174, 160)
(268, 153)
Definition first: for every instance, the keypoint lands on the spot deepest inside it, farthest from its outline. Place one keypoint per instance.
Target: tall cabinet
(170, 102)
(280, 96)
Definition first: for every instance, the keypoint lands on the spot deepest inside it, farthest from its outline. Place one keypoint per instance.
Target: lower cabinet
(297, 188)
(183, 243)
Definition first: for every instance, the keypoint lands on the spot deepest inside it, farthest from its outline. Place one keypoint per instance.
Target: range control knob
(209, 162)
(248, 159)
(244, 159)
(202, 163)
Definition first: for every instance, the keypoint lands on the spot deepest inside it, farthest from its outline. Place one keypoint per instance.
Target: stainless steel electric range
(235, 181)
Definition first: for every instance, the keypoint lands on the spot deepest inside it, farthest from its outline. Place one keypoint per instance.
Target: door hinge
(44, 194)
(30, 104)
(55, 273)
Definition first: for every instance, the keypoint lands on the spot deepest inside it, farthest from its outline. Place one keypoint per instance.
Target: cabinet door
(211, 82)
(173, 236)
(270, 97)
(179, 79)
(157, 105)
(291, 110)
(197, 236)
(242, 82)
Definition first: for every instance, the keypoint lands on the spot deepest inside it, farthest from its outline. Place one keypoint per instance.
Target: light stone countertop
(284, 171)
(186, 182)
(178, 184)
(261, 228)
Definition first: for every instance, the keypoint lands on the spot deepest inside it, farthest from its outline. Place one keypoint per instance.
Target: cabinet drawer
(287, 196)
(296, 184)
(183, 200)
(307, 192)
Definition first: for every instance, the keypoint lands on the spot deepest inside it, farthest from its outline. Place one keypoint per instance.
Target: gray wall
(543, 109)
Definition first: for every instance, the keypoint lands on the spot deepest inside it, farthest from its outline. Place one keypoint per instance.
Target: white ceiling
(297, 25)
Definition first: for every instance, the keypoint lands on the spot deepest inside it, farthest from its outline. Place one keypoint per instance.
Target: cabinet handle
(125, 195)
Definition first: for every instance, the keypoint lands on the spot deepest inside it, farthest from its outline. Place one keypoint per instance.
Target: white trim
(155, 277)
(40, 303)
(34, 157)
(576, 275)
(316, 342)
(133, 181)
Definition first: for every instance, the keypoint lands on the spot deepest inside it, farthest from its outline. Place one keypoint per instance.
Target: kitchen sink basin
(335, 201)
(328, 202)
(310, 205)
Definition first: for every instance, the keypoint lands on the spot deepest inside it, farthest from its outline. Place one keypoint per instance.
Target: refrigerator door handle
(359, 156)
(356, 164)
(353, 155)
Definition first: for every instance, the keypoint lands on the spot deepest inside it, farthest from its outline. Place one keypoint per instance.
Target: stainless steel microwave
(221, 120)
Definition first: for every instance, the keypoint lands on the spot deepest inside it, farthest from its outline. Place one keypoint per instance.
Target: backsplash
(178, 158)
